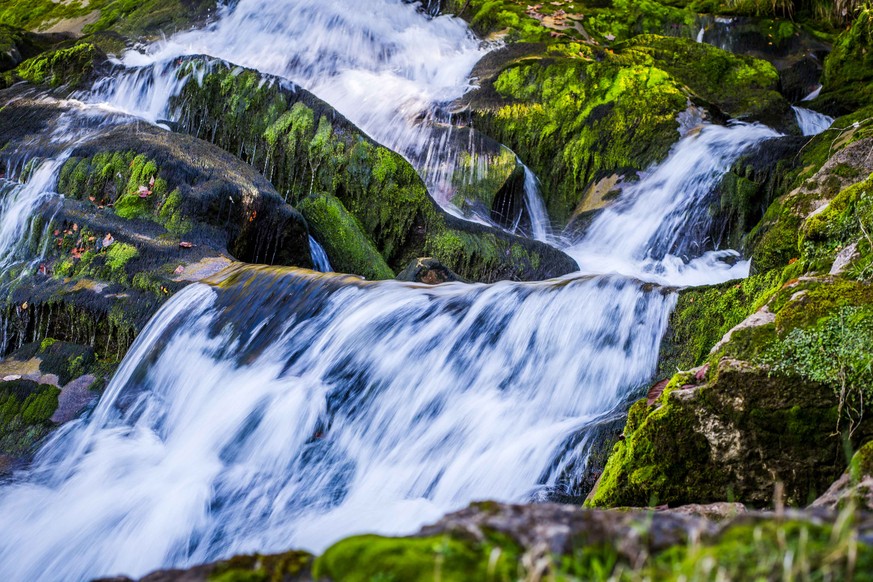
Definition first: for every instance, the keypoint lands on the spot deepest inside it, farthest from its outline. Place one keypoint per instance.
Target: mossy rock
(365, 558)
(307, 148)
(740, 87)
(574, 116)
(345, 241)
(848, 69)
(731, 438)
(131, 18)
(25, 412)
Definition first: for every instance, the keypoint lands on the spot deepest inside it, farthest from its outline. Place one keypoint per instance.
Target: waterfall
(18, 201)
(657, 223)
(384, 64)
(283, 409)
(811, 122)
(319, 256)
(536, 208)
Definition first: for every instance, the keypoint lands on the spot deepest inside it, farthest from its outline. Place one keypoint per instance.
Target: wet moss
(848, 69)
(366, 558)
(739, 86)
(704, 315)
(65, 66)
(345, 241)
(575, 119)
(130, 17)
(25, 412)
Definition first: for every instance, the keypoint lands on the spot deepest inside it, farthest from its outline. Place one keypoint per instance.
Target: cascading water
(536, 208)
(283, 409)
(319, 256)
(811, 122)
(383, 64)
(658, 222)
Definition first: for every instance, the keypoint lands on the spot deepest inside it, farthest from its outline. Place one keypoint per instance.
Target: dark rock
(429, 271)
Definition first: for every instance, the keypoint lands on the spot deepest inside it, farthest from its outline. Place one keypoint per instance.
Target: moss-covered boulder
(134, 19)
(144, 213)
(848, 70)
(17, 45)
(732, 437)
(305, 148)
(578, 114)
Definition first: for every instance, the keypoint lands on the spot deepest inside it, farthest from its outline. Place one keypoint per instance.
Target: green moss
(25, 411)
(258, 568)
(740, 86)
(848, 69)
(129, 17)
(575, 120)
(659, 461)
(367, 558)
(345, 241)
(69, 66)
(119, 254)
(704, 315)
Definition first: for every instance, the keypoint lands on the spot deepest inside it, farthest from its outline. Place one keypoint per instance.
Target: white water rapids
(291, 409)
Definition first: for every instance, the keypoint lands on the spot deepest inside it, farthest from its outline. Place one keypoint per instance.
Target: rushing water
(319, 256)
(292, 409)
(289, 408)
(811, 122)
(541, 228)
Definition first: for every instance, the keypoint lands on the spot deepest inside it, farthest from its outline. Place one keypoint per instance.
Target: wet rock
(74, 398)
(429, 271)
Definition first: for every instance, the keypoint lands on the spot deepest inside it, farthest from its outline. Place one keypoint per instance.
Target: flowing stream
(286, 408)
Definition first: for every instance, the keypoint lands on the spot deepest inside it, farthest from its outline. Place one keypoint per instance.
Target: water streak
(319, 256)
(811, 122)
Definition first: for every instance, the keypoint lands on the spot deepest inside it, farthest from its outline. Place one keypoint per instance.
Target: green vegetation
(25, 410)
(344, 239)
(367, 558)
(129, 17)
(66, 66)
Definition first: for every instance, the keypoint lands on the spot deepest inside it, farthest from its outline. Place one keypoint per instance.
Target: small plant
(835, 352)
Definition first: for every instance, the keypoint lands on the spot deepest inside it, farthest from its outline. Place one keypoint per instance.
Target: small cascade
(811, 122)
(18, 202)
(319, 256)
(536, 209)
(656, 224)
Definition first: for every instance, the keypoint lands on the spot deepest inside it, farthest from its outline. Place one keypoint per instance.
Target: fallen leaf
(24, 306)
(186, 245)
(108, 240)
(152, 182)
(179, 270)
(57, 233)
